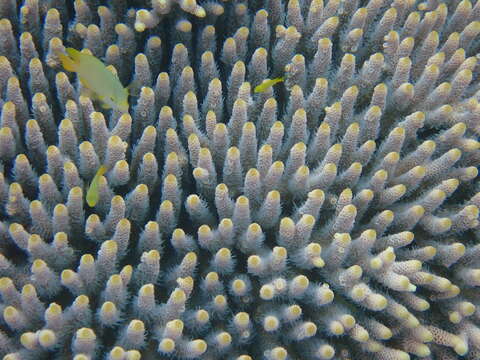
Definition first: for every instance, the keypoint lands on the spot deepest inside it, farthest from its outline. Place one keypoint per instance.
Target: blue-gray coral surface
(334, 215)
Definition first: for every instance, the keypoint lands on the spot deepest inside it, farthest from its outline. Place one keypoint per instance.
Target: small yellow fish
(92, 193)
(267, 83)
(95, 76)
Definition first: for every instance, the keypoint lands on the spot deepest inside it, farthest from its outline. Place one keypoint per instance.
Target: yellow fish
(92, 193)
(267, 83)
(95, 76)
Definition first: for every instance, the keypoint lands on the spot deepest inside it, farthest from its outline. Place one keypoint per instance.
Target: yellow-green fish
(267, 83)
(95, 76)
(92, 193)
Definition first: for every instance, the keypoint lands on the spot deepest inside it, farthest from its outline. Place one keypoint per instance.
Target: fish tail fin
(67, 63)
(133, 89)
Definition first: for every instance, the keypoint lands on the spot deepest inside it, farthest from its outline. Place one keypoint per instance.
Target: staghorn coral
(331, 217)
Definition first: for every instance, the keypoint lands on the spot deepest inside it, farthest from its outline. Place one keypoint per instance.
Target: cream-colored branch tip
(231, 222)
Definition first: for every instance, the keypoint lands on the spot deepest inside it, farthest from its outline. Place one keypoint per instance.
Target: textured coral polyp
(331, 216)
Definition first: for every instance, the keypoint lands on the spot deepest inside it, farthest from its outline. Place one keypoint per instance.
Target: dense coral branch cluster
(335, 216)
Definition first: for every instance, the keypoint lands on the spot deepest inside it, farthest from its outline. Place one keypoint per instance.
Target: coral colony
(330, 213)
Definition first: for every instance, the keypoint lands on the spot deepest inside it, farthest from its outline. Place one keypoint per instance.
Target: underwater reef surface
(333, 215)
